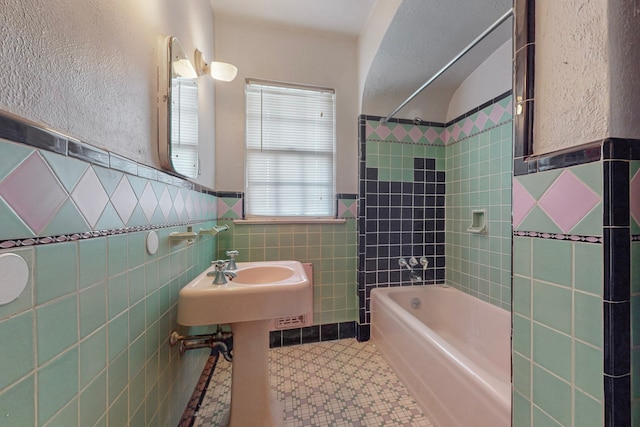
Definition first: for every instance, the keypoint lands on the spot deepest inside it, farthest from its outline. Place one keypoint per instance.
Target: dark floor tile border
(312, 334)
(199, 391)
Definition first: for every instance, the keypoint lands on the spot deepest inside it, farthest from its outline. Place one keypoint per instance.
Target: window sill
(289, 221)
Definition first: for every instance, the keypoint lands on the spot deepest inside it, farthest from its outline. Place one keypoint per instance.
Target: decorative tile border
(491, 114)
(77, 191)
(573, 238)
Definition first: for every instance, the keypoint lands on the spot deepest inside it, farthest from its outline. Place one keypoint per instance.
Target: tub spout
(414, 277)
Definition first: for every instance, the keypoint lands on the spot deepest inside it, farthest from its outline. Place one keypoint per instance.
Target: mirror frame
(168, 111)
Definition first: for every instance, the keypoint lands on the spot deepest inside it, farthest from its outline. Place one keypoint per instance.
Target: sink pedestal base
(252, 403)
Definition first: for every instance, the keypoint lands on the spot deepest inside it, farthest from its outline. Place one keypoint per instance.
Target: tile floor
(332, 383)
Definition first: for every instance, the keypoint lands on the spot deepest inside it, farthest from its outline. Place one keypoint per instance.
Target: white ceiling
(338, 16)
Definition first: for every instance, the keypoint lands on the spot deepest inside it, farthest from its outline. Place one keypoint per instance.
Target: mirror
(178, 113)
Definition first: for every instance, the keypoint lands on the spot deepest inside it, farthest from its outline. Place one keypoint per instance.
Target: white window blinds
(184, 126)
(290, 145)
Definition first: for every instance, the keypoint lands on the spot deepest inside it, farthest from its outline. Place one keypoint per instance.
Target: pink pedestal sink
(261, 291)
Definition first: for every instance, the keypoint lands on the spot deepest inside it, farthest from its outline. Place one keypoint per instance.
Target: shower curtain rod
(477, 40)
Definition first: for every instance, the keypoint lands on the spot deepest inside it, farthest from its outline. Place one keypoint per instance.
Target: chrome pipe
(470, 46)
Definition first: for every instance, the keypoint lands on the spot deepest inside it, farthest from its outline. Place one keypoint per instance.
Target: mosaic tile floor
(332, 383)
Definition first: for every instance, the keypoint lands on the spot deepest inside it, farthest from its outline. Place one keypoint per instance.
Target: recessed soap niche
(478, 222)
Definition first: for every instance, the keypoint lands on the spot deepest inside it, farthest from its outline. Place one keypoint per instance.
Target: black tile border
(312, 334)
(190, 411)
(617, 401)
(604, 149)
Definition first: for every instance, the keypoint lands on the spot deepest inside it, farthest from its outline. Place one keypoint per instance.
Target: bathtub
(451, 350)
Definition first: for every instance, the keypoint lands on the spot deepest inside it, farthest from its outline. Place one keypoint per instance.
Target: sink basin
(263, 274)
(261, 291)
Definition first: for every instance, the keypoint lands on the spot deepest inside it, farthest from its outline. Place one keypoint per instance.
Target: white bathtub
(453, 352)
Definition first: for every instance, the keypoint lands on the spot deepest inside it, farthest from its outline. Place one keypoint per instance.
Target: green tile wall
(557, 333)
(479, 171)
(88, 337)
(331, 248)
(102, 348)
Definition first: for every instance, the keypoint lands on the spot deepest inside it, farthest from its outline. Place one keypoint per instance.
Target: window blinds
(290, 145)
(184, 126)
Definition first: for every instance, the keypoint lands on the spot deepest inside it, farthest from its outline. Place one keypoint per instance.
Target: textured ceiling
(424, 36)
(337, 16)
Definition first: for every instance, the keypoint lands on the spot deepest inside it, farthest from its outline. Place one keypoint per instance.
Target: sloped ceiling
(424, 36)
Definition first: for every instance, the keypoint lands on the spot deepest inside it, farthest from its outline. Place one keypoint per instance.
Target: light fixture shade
(223, 71)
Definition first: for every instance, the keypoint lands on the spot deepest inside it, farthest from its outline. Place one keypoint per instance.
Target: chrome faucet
(413, 276)
(232, 259)
(220, 275)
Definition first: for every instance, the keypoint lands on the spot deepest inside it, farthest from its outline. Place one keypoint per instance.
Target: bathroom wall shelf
(478, 222)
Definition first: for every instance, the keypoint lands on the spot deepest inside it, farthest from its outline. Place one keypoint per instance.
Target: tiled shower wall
(87, 340)
(574, 327)
(408, 174)
(479, 171)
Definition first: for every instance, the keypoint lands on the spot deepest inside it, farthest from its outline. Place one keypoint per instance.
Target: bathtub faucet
(414, 277)
(403, 263)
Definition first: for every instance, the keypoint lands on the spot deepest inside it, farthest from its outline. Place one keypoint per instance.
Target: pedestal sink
(261, 291)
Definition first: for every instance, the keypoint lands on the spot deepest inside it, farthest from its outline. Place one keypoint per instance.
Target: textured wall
(88, 68)
(572, 74)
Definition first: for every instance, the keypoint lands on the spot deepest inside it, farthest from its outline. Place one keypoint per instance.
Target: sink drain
(415, 303)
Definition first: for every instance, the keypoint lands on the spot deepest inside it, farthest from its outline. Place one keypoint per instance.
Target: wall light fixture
(218, 70)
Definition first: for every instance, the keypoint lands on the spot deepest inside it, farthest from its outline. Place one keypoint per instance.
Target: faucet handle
(219, 264)
(232, 259)
(413, 261)
(424, 262)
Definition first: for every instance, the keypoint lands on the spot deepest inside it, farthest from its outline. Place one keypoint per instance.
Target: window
(290, 146)
(184, 126)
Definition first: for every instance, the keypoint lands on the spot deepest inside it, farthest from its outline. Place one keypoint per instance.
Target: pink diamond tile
(237, 208)
(345, 211)
(178, 204)
(124, 199)
(523, 202)
(368, 130)
(33, 192)
(415, 133)
(446, 137)
(455, 132)
(188, 206)
(165, 203)
(90, 197)
(568, 200)
(148, 202)
(223, 208)
(399, 132)
(635, 197)
(481, 120)
(496, 113)
(383, 131)
(467, 127)
(431, 134)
